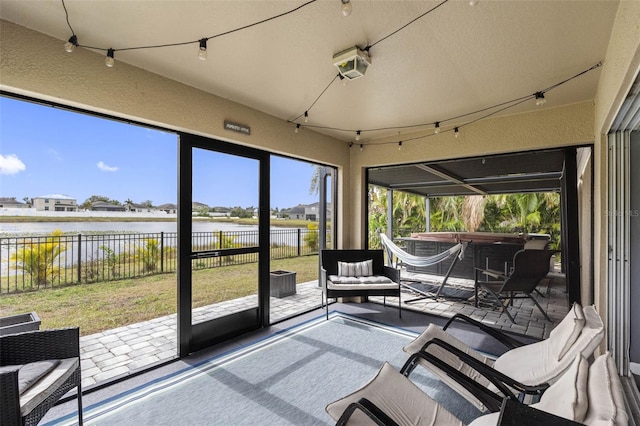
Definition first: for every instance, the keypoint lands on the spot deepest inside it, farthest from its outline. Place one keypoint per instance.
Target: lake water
(45, 228)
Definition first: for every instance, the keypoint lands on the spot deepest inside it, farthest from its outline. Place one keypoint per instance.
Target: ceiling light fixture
(352, 63)
(540, 100)
(346, 7)
(202, 51)
(70, 45)
(109, 60)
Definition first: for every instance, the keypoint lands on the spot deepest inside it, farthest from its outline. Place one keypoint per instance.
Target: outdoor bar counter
(484, 250)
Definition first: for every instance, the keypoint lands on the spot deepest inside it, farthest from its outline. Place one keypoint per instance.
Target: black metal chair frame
(529, 268)
(33, 346)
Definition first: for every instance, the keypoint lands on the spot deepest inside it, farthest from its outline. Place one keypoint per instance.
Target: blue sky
(45, 150)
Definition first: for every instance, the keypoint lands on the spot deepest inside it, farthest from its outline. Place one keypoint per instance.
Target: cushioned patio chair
(528, 368)
(353, 272)
(37, 368)
(529, 268)
(577, 397)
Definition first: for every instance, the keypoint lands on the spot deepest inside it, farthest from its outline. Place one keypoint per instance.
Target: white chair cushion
(567, 331)
(378, 282)
(486, 420)
(606, 398)
(538, 362)
(37, 393)
(567, 397)
(356, 269)
(399, 398)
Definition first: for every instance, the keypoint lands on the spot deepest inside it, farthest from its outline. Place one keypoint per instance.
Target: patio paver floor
(121, 351)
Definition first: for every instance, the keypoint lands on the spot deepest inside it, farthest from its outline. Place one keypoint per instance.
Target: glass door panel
(224, 253)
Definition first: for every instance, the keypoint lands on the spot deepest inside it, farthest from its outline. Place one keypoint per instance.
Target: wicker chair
(25, 349)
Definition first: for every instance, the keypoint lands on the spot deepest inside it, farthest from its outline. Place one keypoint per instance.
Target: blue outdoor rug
(285, 379)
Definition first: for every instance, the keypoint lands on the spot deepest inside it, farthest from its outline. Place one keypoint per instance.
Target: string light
(350, 144)
(400, 146)
(70, 45)
(361, 147)
(346, 7)
(456, 132)
(297, 129)
(306, 116)
(202, 51)
(109, 60)
(540, 100)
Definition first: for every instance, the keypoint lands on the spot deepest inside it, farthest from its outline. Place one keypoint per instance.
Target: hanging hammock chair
(397, 256)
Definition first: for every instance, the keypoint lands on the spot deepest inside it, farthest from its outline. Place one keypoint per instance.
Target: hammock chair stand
(409, 259)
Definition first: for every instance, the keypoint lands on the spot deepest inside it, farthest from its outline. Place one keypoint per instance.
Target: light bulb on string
(437, 129)
(456, 132)
(400, 146)
(306, 116)
(297, 129)
(361, 147)
(358, 135)
(202, 51)
(109, 60)
(346, 7)
(70, 45)
(345, 81)
(540, 100)
(473, 2)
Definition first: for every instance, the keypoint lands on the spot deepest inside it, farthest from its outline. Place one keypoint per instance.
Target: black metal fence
(34, 262)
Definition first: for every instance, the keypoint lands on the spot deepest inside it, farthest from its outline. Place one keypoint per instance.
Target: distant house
(138, 208)
(55, 203)
(168, 208)
(11, 202)
(301, 211)
(103, 206)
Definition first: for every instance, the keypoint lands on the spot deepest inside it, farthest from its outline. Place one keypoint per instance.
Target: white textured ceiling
(453, 61)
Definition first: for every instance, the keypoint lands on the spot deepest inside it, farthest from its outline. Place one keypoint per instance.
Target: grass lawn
(105, 305)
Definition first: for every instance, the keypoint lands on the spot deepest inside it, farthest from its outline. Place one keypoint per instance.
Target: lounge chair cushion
(29, 374)
(355, 269)
(41, 390)
(568, 397)
(606, 398)
(399, 398)
(568, 330)
(538, 362)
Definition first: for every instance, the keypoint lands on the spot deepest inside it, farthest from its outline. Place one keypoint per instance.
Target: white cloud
(106, 168)
(11, 164)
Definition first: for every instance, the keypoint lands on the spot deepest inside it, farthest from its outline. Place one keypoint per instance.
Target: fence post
(161, 251)
(299, 241)
(220, 247)
(79, 258)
